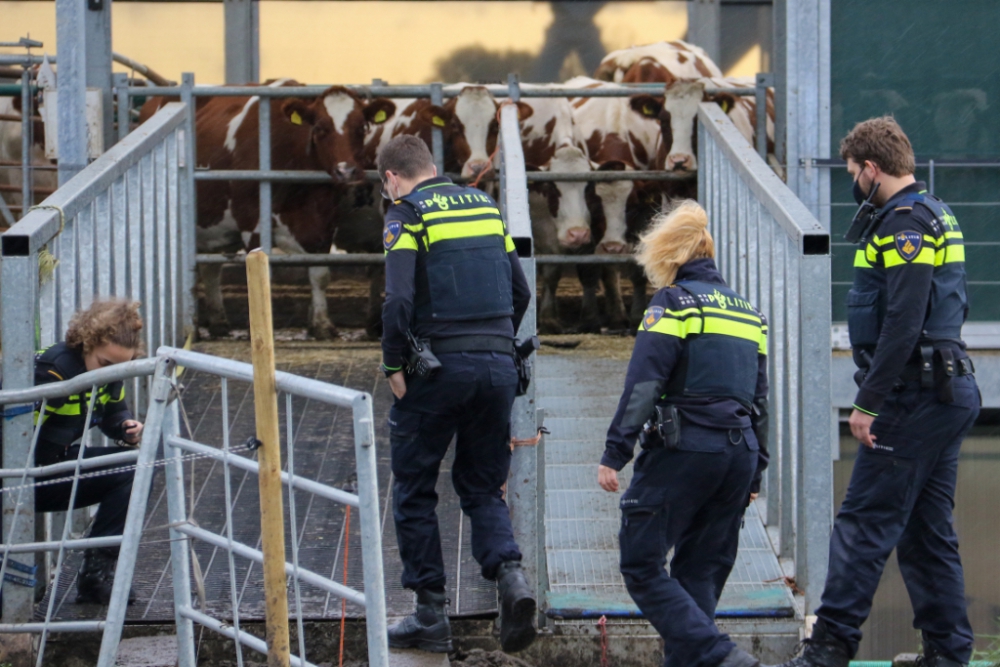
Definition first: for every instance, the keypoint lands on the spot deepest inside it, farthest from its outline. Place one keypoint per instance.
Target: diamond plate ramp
(580, 395)
(324, 451)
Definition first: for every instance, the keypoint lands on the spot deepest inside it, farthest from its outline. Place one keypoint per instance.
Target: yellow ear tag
(725, 106)
(647, 110)
(380, 117)
(438, 120)
(296, 118)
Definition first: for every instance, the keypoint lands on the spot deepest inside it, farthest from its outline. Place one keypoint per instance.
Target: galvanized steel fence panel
(771, 248)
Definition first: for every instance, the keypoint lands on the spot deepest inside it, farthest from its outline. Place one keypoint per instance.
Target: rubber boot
(821, 650)
(427, 628)
(97, 577)
(740, 658)
(937, 660)
(517, 608)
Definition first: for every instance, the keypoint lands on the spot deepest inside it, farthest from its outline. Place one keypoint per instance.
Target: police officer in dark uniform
(453, 282)
(917, 399)
(106, 333)
(696, 398)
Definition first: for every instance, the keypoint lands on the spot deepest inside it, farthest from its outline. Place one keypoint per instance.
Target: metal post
(124, 104)
(269, 457)
(815, 493)
(264, 142)
(704, 26)
(27, 138)
(930, 178)
(371, 531)
(98, 37)
(155, 415)
(179, 547)
(242, 20)
(72, 87)
(188, 208)
(764, 81)
(437, 137)
(19, 273)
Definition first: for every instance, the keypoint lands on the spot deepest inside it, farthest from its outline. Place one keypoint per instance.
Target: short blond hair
(674, 239)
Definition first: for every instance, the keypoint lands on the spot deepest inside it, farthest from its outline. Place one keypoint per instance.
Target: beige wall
(346, 42)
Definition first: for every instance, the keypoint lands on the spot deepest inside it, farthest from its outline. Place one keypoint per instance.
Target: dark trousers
(692, 500)
(901, 496)
(112, 491)
(470, 399)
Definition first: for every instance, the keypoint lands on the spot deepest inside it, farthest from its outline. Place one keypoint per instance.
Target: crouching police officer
(698, 381)
(453, 283)
(106, 333)
(917, 399)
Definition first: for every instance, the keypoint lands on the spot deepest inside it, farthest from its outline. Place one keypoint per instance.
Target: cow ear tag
(438, 120)
(295, 118)
(647, 110)
(725, 106)
(380, 117)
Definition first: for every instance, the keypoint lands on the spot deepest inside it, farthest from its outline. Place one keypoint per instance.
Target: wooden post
(269, 457)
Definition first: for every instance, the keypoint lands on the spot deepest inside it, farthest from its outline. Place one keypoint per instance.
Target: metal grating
(579, 396)
(324, 451)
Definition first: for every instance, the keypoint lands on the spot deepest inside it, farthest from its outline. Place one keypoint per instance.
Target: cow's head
(567, 202)
(470, 129)
(337, 121)
(609, 202)
(648, 70)
(678, 124)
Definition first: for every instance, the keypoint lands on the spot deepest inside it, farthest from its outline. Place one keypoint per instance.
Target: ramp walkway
(579, 395)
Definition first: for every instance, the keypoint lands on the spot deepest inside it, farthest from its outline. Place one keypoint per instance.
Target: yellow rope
(47, 262)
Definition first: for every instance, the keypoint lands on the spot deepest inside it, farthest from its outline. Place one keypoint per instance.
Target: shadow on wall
(476, 64)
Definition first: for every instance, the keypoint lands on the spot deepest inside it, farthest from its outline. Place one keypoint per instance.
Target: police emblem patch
(908, 244)
(653, 315)
(391, 234)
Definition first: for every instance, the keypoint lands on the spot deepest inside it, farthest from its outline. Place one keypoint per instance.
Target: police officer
(106, 333)
(454, 281)
(696, 397)
(916, 402)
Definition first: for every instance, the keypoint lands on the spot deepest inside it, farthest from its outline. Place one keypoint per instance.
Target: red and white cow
(662, 61)
(326, 133)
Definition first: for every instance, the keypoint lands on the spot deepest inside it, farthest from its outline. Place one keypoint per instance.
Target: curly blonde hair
(674, 239)
(109, 321)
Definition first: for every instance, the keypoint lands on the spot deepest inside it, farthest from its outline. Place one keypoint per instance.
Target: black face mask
(865, 218)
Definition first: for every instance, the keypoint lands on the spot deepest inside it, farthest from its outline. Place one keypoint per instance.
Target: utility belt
(934, 369)
(422, 361)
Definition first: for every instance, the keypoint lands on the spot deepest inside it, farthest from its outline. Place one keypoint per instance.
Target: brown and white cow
(662, 61)
(326, 133)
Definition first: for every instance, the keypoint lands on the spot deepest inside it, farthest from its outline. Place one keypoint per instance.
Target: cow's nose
(474, 167)
(680, 161)
(576, 237)
(611, 248)
(347, 171)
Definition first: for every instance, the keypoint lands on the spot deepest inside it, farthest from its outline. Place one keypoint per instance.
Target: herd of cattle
(341, 132)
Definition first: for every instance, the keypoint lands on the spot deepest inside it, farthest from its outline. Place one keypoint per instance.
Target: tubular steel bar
(72, 545)
(69, 466)
(310, 176)
(239, 636)
(749, 207)
(180, 553)
(250, 465)
(367, 259)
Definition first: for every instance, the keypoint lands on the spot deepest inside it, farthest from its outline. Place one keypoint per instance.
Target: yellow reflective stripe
(953, 235)
(462, 230)
(461, 213)
(762, 345)
(66, 408)
(731, 313)
(675, 327)
(404, 242)
(871, 253)
(949, 254)
(882, 240)
(860, 261)
(892, 258)
(508, 243)
(682, 313)
(414, 229)
(717, 325)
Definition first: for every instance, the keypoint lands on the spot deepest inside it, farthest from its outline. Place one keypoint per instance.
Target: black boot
(427, 628)
(97, 577)
(937, 660)
(821, 650)
(517, 608)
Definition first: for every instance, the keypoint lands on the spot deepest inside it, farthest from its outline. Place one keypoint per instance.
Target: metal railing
(772, 250)
(183, 528)
(163, 422)
(437, 93)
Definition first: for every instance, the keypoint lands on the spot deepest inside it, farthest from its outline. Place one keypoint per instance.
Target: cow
(662, 61)
(326, 133)
(44, 181)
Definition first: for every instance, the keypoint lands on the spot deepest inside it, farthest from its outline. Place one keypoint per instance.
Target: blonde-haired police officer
(696, 397)
(453, 279)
